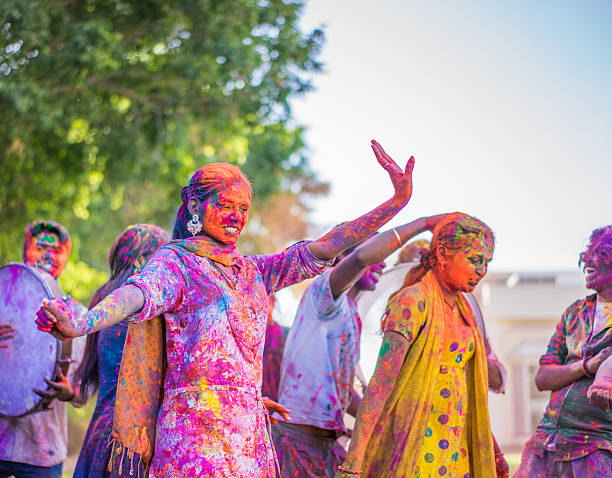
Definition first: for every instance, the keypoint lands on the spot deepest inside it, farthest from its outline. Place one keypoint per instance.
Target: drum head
(31, 355)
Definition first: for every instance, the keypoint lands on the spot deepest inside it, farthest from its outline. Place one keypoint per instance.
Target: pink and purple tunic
(212, 421)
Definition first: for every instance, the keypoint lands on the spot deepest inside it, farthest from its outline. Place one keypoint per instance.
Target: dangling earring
(194, 226)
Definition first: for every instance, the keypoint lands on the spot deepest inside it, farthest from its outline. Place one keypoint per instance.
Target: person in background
(574, 437)
(36, 445)
(99, 370)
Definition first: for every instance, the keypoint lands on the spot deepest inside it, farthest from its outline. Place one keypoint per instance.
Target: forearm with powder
(114, 308)
(348, 234)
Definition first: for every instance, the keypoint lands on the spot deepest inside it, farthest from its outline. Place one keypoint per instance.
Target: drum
(31, 355)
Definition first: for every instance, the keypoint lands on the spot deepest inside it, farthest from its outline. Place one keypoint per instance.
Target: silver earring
(194, 226)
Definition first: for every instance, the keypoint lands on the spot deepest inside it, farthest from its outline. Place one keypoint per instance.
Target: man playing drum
(35, 445)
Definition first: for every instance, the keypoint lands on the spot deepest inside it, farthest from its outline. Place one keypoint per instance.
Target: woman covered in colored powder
(210, 420)
(99, 370)
(424, 413)
(574, 437)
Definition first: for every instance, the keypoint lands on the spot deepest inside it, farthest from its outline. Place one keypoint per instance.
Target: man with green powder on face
(35, 445)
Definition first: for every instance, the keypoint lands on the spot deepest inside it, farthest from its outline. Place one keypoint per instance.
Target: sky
(506, 107)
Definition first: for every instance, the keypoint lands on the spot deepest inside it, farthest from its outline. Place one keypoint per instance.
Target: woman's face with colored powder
(226, 213)
(464, 268)
(47, 253)
(598, 267)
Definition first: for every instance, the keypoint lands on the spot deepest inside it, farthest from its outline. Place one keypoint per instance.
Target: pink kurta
(212, 421)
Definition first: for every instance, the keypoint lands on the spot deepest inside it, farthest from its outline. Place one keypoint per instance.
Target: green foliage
(109, 106)
(80, 280)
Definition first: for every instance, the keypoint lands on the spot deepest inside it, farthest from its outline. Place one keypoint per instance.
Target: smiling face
(598, 268)
(46, 252)
(226, 213)
(462, 269)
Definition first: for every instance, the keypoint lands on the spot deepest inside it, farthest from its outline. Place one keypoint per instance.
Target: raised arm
(376, 250)
(392, 354)
(348, 234)
(55, 316)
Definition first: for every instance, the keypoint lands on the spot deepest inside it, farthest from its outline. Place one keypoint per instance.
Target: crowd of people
(194, 379)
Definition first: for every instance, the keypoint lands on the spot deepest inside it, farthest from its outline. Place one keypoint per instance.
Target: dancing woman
(99, 370)
(425, 411)
(211, 420)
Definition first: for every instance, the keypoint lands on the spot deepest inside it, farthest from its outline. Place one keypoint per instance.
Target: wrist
(584, 366)
(68, 399)
(399, 201)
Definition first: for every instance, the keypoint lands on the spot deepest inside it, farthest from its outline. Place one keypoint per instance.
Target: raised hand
(401, 179)
(432, 221)
(7, 332)
(55, 317)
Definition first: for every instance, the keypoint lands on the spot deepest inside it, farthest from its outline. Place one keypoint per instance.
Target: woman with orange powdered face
(425, 410)
(198, 312)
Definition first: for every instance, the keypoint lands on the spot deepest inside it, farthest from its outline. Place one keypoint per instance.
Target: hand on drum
(55, 317)
(58, 390)
(7, 332)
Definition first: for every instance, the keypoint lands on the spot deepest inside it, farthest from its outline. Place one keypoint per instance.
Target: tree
(109, 106)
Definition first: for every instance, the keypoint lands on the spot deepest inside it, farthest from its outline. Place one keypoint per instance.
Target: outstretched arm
(55, 317)
(392, 353)
(376, 250)
(348, 234)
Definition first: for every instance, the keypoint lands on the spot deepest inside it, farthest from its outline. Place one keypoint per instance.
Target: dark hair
(206, 181)
(600, 241)
(139, 240)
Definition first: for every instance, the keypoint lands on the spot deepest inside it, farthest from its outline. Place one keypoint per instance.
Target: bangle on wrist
(399, 239)
(583, 367)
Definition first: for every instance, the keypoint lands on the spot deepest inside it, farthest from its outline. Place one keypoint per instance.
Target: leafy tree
(109, 106)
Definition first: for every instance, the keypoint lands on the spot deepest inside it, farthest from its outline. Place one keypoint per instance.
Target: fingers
(58, 386)
(44, 393)
(409, 166)
(7, 332)
(45, 318)
(600, 398)
(275, 407)
(384, 159)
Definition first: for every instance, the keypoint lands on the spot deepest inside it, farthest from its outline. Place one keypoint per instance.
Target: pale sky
(506, 106)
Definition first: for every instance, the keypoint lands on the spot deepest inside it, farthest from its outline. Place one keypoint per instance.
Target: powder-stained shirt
(212, 421)
(320, 359)
(571, 427)
(41, 439)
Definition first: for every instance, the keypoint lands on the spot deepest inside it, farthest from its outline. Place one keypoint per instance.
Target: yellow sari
(419, 313)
